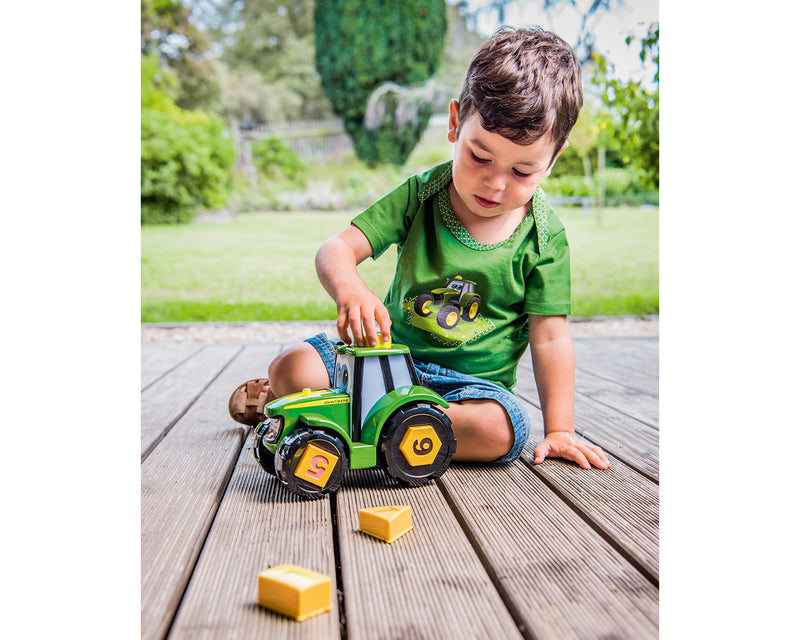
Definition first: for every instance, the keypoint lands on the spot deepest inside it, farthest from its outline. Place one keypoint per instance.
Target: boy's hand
(564, 444)
(358, 311)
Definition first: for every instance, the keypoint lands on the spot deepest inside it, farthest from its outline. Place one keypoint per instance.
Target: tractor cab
(367, 374)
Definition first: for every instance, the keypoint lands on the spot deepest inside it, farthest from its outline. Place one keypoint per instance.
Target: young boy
(479, 225)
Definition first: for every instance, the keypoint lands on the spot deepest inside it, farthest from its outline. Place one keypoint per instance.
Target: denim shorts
(453, 387)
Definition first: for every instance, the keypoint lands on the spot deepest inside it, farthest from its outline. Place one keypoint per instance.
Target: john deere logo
(316, 465)
(420, 445)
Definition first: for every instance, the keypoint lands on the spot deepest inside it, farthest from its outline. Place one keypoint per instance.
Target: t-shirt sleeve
(548, 287)
(387, 221)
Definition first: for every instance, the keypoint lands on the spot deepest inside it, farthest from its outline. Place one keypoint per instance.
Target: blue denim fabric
(453, 386)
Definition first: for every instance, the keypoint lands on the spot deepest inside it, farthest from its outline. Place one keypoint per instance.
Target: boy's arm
(554, 370)
(356, 305)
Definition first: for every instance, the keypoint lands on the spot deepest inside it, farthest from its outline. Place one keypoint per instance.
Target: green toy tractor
(455, 301)
(375, 414)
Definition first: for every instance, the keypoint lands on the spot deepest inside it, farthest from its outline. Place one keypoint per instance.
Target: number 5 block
(294, 591)
(386, 523)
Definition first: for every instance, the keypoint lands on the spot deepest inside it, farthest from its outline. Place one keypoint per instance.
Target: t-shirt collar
(441, 178)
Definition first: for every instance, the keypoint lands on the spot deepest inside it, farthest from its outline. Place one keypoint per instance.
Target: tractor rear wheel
(311, 463)
(417, 444)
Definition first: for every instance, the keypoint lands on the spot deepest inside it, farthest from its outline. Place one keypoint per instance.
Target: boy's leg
(482, 428)
(490, 424)
(295, 369)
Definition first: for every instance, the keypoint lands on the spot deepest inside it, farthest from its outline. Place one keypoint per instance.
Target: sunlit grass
(260, 266)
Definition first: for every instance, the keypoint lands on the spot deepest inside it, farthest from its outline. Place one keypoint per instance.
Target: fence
(309, 139)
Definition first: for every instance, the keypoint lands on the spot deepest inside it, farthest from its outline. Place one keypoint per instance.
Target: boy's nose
(494, 180)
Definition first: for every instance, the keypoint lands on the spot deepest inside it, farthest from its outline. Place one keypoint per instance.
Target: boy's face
(493, 176)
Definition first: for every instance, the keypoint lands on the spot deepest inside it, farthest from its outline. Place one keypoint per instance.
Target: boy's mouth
(486, 204)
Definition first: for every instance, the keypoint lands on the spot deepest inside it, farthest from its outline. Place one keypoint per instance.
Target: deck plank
(260, 524)
(183, 481)
(632, 361)
(429, 583)
(561, 578)
(158, 359)
(629, 439)
(165, 401)
(619, 502)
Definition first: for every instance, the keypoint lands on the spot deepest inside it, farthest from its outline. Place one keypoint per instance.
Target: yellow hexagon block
(386, 523)
(420, 445)
(294, 591)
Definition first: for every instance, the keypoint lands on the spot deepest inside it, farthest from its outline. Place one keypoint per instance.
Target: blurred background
(266, 125)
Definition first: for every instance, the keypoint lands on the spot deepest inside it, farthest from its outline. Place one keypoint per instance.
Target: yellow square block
(294, 591)
(386, 523)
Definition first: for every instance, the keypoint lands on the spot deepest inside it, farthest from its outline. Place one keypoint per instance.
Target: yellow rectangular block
(294, 591)
(386, 523)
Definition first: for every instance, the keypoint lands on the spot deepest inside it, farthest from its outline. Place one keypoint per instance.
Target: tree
(362, 45)
(275, 40)
(630, 122)
(167, 30)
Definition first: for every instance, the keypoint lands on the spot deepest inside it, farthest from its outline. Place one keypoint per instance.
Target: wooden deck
(512, 551)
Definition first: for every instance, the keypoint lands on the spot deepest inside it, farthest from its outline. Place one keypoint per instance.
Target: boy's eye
(521, 174)
(480, 160)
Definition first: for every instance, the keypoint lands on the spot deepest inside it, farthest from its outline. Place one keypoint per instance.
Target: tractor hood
(304, 399)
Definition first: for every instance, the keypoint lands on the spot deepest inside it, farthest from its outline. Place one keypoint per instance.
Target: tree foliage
(185, 155)
(629, 124)
(360, 45)
(267, 48)
(167, 30)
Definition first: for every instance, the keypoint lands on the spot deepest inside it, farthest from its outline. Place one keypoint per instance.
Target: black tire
(422, 304)
(448, 316)
(396, 462)
(471, 308)
(265, 458)
(290, 454)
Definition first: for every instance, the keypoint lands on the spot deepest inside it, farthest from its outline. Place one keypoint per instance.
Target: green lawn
(261, 266)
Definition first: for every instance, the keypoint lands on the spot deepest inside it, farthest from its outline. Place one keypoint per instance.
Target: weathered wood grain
(183, 480)
(632, 361)
(260, 524)
(169, 397)
(630, 401)
(629, 439)
(158, 359)
(559, 577)
(429, 583)
(618, 502)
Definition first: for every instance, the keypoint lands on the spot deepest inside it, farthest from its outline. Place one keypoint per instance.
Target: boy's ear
(452, 124)
(553, 164)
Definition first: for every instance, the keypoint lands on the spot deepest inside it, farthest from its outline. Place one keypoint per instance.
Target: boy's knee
(296, 368)
(483, 430)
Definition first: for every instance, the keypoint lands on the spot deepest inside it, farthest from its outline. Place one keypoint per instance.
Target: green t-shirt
(459, 303)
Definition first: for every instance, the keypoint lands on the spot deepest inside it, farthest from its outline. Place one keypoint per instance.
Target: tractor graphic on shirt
(454, 302)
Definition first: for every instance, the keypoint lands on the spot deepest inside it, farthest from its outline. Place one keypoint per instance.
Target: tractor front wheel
(417, 444)
(311, 463)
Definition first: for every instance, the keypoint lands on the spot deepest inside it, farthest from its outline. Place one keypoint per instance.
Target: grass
(261, 266)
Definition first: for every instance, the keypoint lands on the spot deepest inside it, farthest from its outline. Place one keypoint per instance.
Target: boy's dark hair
(524, 84)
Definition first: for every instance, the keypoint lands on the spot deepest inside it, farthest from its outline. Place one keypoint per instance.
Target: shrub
(275, 160)
(185, 155)
(186, 165)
